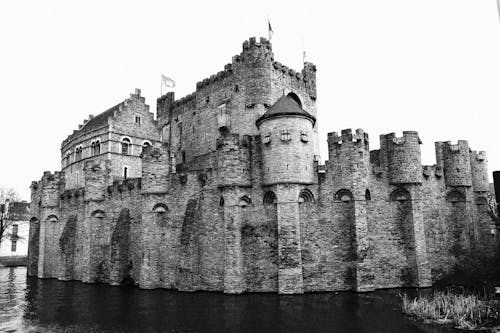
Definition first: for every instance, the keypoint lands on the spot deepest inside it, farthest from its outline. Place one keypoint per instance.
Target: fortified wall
(234, 199)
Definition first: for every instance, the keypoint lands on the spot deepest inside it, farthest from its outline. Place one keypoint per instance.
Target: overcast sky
(385, 66)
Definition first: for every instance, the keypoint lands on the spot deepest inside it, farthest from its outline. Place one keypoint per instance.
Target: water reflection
(33, 305)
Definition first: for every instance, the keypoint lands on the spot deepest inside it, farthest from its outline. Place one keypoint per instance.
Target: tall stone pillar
(364, 264)
(290, 279)
(424, 276)
(233, 258)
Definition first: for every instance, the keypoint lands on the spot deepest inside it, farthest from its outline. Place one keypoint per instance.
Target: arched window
(96, 149)
(145, 144)
(480, 201)
(78, 153)
(455, 196)
(344, 195)
(221, 201)
(125, 146)
(306, 196)
(125, 172)
(98, 214)
(295, 98)
(269, 198)
(368, 195)
(400, 194)
(52, 218)
(160, 208)
(245, 201)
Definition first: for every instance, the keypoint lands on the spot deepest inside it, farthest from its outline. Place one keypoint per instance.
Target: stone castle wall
(216, 229)
(221, 204)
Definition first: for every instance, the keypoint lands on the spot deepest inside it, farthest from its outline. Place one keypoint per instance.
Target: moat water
(34, 305)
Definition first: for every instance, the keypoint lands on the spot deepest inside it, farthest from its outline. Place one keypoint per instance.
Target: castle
(223, 190)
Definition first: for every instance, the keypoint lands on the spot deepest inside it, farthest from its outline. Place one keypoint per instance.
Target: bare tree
(7, 196)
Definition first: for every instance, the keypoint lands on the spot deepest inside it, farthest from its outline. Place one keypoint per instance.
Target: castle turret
(349, 167)
(349, 159)
(309, 74)
(404, 169)
(287, 152)
(456, 162)
(479, 168)
(288, 164)
(49, 215)
(254, 64)
(402, 157)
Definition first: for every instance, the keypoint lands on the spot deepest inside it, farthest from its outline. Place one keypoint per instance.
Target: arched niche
(344, 195)
(98, 214)
(160, 208)
(306, 196)
(269, 198)
(52, 218)
(455, 196)
(245, 201)
(400, 194)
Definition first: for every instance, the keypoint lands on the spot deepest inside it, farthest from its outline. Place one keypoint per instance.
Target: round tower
(349, 159)
(288, 163)
(479, 168)
(288, 151)
(457, 164)
(403, 157)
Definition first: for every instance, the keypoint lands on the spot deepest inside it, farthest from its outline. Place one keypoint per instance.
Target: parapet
(305, 79)
(126, 185)
(432, 171)
(228, 71)
(360, 138)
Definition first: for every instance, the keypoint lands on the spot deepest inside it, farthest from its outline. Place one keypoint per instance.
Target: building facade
(224, 191)
(14, 243)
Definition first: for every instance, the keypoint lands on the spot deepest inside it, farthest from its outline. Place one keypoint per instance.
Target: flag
(167, 82)
(304, 56)
(270, 30)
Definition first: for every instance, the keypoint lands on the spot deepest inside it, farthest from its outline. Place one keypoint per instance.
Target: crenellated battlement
(346, 137)
(52, 177)
(257, 50)
(479, 155)
(126, 185)
(228, 71)
(432, 171)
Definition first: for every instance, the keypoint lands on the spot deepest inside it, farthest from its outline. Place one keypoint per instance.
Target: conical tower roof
(285, 106)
